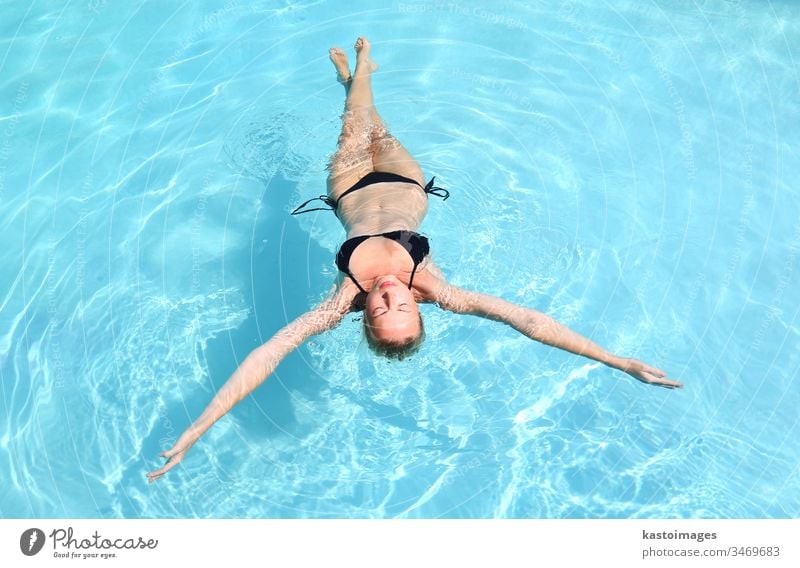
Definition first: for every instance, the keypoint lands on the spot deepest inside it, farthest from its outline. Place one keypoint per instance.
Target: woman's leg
(365, 144)
(343, 75)
(353, 157)
(388, 155)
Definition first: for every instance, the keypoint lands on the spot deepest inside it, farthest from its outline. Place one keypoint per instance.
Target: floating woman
(378, 192)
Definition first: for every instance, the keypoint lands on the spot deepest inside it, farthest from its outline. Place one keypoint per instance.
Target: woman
(378, 192)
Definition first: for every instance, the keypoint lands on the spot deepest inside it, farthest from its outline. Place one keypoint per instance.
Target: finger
(654, 370)
(151, 478)
(668, 383)
(664, 380)
(167, 466)
(154, 475)
(158, 472)
(652, 379)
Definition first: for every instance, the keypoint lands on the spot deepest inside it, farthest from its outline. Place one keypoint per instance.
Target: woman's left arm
(543, 328)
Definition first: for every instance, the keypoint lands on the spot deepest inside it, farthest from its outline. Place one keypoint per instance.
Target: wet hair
(397, 349)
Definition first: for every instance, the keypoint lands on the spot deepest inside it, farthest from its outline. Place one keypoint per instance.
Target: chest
(378, 257)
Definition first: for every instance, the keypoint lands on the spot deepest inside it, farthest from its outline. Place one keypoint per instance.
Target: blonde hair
(397, 349)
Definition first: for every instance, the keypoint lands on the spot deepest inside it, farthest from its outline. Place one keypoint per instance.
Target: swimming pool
(627, 168)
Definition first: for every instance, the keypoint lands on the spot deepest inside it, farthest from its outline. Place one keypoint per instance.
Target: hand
(174, 455)
(647, 374)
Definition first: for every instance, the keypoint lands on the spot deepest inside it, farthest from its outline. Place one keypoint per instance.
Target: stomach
(382, 207)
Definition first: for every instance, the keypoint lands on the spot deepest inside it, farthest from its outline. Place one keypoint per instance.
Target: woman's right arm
(258, 365)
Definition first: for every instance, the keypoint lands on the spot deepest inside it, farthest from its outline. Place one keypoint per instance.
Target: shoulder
(342, 298)
(433, 288)
(429, 283)
(329, 312)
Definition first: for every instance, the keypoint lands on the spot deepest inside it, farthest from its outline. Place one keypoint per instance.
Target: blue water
(629, 168)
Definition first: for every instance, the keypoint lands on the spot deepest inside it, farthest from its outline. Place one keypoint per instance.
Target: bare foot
(363, 60)
(339, 59)
(363, 44)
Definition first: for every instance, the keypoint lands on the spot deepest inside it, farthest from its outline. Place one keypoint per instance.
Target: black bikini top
(415, 244)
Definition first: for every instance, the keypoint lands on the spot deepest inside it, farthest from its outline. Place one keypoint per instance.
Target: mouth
(386, 284)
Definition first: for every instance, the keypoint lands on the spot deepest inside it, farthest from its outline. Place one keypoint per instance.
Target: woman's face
(391, 311)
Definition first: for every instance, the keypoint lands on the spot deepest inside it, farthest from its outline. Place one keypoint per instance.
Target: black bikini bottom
(370, 179)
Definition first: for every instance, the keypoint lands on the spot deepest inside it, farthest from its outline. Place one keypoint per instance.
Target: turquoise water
(628, 168)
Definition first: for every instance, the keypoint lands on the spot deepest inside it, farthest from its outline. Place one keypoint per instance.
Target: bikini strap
(356, 282)
(331, 205)
(437, 191)
(411, 279)
(373, 177)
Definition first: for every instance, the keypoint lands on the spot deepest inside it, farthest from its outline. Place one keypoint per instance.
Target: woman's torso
(382, 207)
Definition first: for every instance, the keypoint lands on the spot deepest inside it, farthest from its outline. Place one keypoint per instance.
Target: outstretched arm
(545, 329)
(258, 365)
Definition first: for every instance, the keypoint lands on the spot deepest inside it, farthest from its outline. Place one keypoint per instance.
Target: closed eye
(380, 311)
